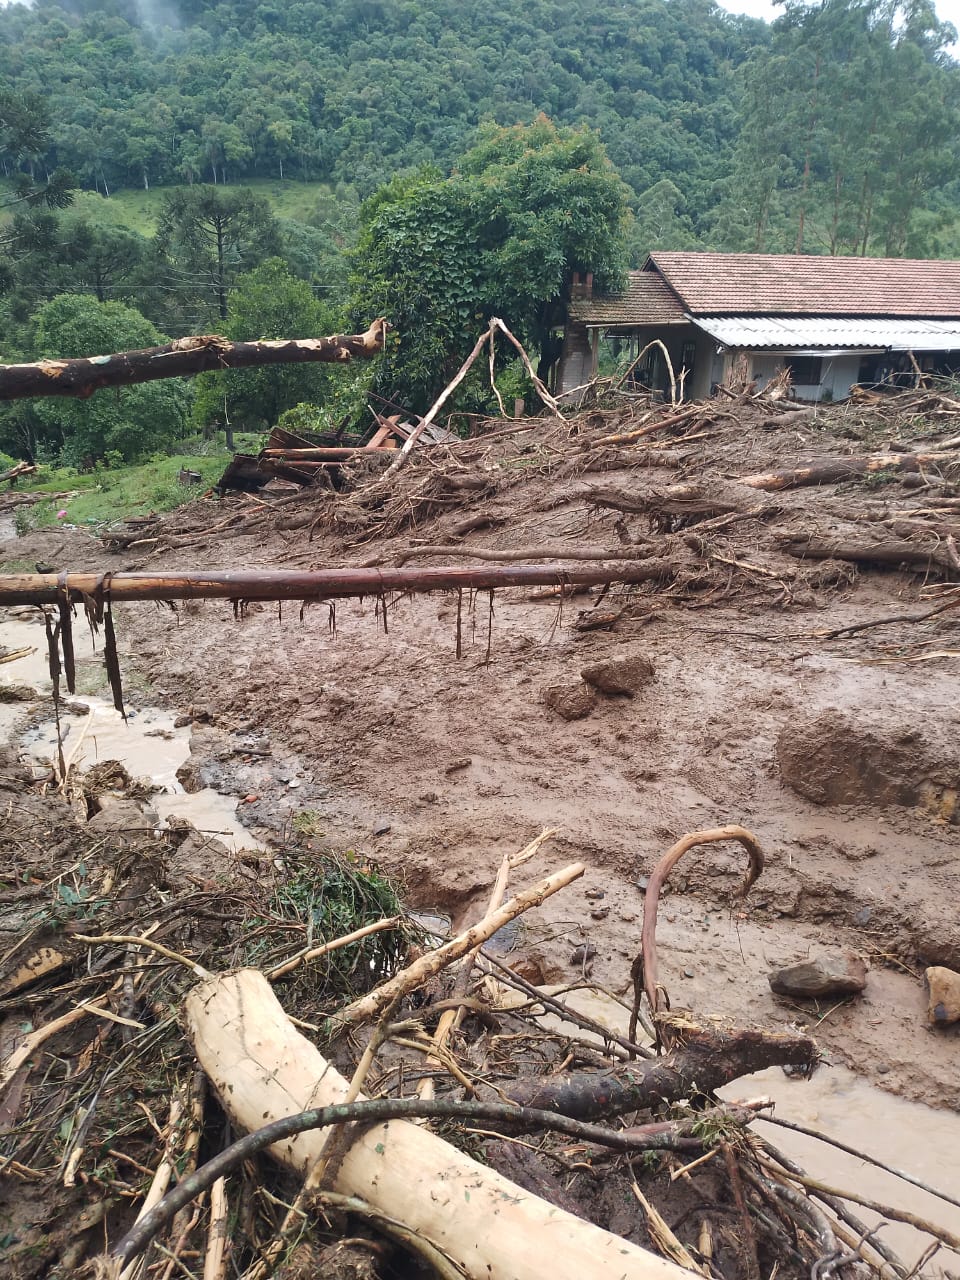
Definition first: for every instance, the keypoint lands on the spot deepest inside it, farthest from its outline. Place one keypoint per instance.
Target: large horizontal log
(184, 357)
(318, 584)
(833, 470)
(263, 1069)
(933, 555)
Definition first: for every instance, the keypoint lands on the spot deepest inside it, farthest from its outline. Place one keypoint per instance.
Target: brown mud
(840, 754)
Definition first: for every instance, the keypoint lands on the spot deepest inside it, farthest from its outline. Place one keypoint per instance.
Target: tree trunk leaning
(185, 356)
(264, 1069)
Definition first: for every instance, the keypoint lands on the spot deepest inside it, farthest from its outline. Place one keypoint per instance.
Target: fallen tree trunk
(319, 584)
(524, 553)
(263, 1069)
(894, 552)
(833, 470)
(185, 356)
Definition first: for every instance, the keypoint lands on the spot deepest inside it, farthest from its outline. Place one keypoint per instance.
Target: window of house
(806, 371)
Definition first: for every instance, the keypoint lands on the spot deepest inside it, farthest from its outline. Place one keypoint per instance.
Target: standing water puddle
(148, 745)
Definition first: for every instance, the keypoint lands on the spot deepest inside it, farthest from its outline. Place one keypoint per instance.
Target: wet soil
(841, 755)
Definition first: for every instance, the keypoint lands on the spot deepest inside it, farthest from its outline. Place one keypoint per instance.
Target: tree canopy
(132, 421)
(850, 137)
(525, 209)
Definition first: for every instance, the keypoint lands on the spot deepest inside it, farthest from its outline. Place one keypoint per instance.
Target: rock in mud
(832, 758)
(621, 677)
(200, 860)
(18, 693)
(125, 819)
(943, 1006)
(938, 943)
(572, 702)
(820, 977)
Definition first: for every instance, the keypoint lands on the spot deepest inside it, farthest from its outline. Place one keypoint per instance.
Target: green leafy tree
(208, 236)
(132, 421)
(268, 302)
(851, 124)
(24, 139)
(527, 207)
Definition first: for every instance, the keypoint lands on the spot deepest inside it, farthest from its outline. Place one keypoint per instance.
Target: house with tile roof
(736, 317)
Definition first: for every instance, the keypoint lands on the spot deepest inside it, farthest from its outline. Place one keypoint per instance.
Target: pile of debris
(318, 459)
(147, 1019)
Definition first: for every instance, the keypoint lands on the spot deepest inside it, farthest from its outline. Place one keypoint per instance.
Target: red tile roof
(793, 284)
(647, 301)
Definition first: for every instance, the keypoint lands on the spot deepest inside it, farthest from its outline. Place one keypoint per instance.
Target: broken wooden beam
(186, 356)
(322, 453)
(317, 584)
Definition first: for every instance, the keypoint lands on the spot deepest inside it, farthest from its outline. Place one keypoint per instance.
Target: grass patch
(109, 495)
(140, 210)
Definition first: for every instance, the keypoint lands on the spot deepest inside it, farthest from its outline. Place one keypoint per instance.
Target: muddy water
(904, 1135)
(148, 744)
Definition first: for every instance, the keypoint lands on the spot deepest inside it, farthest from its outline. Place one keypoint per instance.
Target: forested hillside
(835, 130)
(352, 90)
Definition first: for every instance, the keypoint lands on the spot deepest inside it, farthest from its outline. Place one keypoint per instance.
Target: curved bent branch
(658, 878)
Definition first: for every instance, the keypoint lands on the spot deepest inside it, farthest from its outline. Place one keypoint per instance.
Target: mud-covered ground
(841, 755)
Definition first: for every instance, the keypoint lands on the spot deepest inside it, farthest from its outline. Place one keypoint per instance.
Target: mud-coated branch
(370, 1112)
(658, 877)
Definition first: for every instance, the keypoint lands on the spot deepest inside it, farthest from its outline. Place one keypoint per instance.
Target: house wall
(839, 373)
(575, 359)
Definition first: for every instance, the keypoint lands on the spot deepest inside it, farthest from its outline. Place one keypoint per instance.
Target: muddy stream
(155, 743)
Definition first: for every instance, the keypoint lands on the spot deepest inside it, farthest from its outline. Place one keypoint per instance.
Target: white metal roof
(840, 334)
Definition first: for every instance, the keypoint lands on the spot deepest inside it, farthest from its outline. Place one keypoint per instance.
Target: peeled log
(833, 470)
(185, 356)
(263, 1069)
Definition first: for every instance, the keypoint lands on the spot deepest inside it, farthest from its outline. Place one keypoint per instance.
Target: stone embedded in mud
(19, 693)
(200, 859)
(943, 1006)
(938, 943)
(619, 676)
(572, 702)
(832, 758)
(820, 977)
(124, 819)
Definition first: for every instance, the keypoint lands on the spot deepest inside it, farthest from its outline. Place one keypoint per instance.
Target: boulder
(621, 677)
(573, 702)
(199, 860)
(18, 693)
(820, 977)
(838, 758)
(943, 1006)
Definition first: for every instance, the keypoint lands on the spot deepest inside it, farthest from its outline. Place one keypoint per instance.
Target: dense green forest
(835, 130)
